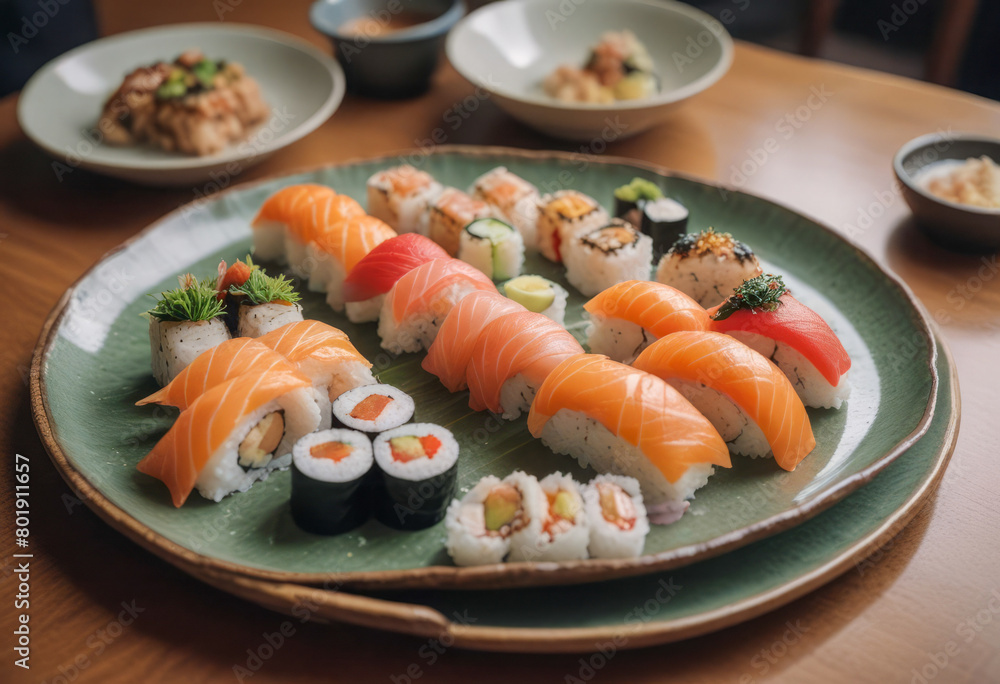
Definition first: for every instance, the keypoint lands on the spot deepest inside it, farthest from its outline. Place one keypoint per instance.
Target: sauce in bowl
(377, 27)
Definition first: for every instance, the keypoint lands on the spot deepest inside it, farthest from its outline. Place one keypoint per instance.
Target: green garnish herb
(205, 72)
(261, 288)
(193, 301)
(171, 89)
(761, 292)
(638, 189)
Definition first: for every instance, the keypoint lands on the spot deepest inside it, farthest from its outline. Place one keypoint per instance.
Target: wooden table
(832, 161)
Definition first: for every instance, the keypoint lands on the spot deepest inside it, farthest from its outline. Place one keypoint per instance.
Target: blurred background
(949, 42)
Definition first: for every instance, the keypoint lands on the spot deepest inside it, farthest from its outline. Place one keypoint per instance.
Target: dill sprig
(261, 288)
(194, 300)
(761, 292)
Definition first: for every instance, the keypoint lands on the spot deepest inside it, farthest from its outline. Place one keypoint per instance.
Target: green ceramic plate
(93, 364)
(659, 607)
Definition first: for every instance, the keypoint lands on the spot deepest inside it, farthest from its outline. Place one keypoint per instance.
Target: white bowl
(508, 48)
(60, 106)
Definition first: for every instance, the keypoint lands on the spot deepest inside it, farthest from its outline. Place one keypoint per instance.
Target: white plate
(508, 48)
(60, 106)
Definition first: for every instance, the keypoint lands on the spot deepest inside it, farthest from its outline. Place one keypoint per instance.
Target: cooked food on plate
(619, 68)
(975, 182)
(193, 105)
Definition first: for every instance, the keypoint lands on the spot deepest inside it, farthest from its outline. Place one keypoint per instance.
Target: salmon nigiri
(233, 435)
(618, 419)
(420, 300)
(448, 357)
(220, 363)
(626, 317)
(277, 213)
(748, 399)
(767, 318)
(324, 354)
(309, 221)
(371, 278)
(512, 357)
(338, 248)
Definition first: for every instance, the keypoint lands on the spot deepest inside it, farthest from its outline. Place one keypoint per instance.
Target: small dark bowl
(393, 65)
(951, 224)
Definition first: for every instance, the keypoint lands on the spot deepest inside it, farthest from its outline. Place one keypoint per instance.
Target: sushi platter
(93, 366)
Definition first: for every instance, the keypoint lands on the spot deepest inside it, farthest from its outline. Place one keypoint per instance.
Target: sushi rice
(607, 256)
(608, 540)
(256, 320)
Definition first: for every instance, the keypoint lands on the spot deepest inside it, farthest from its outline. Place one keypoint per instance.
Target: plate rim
(476, 577)
(423, 621)
(188, 163)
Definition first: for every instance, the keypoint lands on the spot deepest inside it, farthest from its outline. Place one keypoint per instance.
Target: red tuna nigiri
(377, 272)
(796, 325)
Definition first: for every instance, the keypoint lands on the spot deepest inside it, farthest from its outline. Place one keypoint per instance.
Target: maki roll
(185, 322)
(665, 220)
(496, 518)
(266, 303)
(616, 517)
(373, 408)
(399, 195)
(512, 199)
(707, 266)
(448, 213)
(539, 295)
(563, 215)
(222, 362)
(630, 196)
(329, 492)
(607, 256)
(493, 247)
(564, 533)
(233, 435)
(418, 466)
